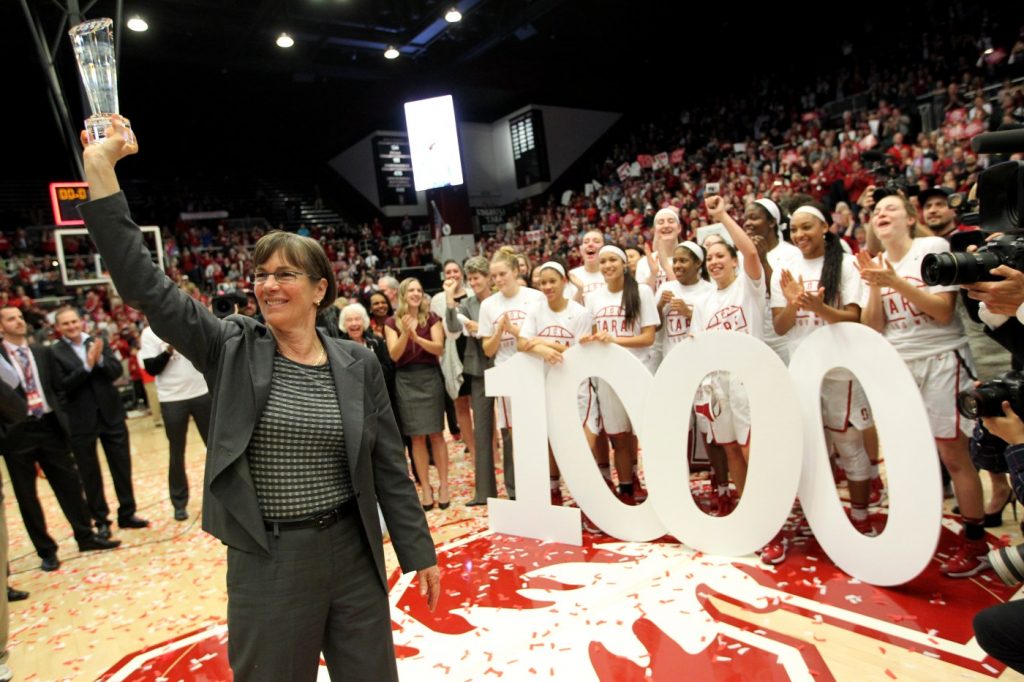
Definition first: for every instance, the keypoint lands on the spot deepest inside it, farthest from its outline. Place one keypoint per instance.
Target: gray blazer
(475, 362)
(236, 355)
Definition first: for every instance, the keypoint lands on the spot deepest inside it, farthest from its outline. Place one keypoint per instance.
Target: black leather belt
(320, 521)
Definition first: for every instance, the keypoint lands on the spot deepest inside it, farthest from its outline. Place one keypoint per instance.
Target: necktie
(35, 403)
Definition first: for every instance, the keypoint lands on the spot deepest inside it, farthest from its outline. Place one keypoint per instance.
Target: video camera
(890, 178)
(228, 301)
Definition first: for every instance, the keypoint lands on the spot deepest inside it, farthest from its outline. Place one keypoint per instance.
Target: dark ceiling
(207, 89)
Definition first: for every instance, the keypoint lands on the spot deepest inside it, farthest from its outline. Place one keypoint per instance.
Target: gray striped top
(297, 452)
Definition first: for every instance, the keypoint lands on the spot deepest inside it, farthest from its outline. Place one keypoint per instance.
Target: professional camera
(228, 302)
(967, 268)
(1008, 563)
(986, 399)
(890, 178)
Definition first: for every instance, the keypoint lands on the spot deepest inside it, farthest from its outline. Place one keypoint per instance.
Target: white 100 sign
(788, 452)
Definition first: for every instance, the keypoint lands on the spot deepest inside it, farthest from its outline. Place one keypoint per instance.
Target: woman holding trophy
(303, 444)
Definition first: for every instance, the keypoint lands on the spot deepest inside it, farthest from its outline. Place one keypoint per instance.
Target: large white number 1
(531, 514)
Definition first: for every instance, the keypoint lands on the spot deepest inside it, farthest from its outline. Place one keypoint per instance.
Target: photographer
(998, 629)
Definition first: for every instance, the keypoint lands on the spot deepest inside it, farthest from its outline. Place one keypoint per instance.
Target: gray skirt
(420, 394)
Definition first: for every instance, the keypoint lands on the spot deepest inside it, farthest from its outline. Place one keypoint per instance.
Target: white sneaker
(5, 673)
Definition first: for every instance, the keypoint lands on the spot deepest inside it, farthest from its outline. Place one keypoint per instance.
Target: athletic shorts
(723, 410)
(940, 377)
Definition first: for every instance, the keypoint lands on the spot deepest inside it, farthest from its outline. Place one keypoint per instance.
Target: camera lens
(983, 401)
(967, 404)
(945, 269)
(1008, 563)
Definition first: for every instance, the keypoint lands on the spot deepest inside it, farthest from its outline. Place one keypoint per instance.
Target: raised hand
(715, 205)
(118, 143)
(792, 289)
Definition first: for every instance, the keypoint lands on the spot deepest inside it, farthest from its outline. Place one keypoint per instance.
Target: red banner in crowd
(645, 160)
(676, 157)
(661, 160)
(623, 171)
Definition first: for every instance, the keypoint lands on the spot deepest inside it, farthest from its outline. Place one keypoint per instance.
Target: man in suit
(41, 438)
(86, 372)
(13, 410)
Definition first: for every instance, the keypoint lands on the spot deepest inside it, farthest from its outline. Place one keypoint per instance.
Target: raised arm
(175, 317)
(718, 211)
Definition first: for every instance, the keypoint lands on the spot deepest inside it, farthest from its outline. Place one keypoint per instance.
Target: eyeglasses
(281, 276)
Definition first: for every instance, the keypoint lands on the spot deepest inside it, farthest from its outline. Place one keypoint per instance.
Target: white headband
(694, 248)
(611, 248)
(667, 211)
(554, 266)
(810, 210)
(772, 208)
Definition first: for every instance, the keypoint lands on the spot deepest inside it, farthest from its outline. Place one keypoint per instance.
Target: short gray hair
(354, 307)
(389, 282)
(477, 264)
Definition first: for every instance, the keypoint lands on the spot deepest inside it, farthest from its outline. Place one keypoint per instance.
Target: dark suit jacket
(91, 397)
(47, 380)
(236, 357)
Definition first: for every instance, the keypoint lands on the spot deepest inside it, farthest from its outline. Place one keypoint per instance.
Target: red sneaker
(723, 503)
(774, 552)
(878, 492)
(639, 491)
(970, 559)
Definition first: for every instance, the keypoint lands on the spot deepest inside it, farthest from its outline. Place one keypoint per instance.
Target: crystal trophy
(93, 42)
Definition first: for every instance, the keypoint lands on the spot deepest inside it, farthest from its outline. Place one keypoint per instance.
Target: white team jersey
(591, 280)
(179, 380)
(739, 307)
(643, 272)
(913, 333)
(496, 306)
(609, 315)
(850, 291)
(778, 258)
(676, 327)
(564, 327)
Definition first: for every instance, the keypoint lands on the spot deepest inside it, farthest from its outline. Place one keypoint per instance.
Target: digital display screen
(434, 143)
(393, 164)
(65, 198)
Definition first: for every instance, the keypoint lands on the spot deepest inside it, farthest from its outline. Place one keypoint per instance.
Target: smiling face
(452, 271)
(413, 295)
(479, 283)
(552, 285)
(667, 227)
(685, 265)
(756, 222)
(353, 324)
(808, 234)
(890, 219)
(634, 256)
(721, 265)
(612, 268)
(69, 324)
(288, 306)
(379, 305)
(592, 243)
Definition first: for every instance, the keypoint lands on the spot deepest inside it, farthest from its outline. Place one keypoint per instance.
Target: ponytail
(630, 297)
(832, 269)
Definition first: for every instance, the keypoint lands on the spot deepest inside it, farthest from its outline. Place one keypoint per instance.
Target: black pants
(317, 591)
(176, 414)
(41, 440)
(1000, 632)
(118, 452)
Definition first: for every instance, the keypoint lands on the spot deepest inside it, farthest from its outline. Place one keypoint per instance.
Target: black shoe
(180, 514)
(95, 542)
(50, 563)
(16, 595)
(476, 503)
(103, 530)
(133, 522)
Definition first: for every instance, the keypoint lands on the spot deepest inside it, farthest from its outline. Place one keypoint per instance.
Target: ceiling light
(285, 40)
(137, 24)
(453, 16)
(391, 52)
